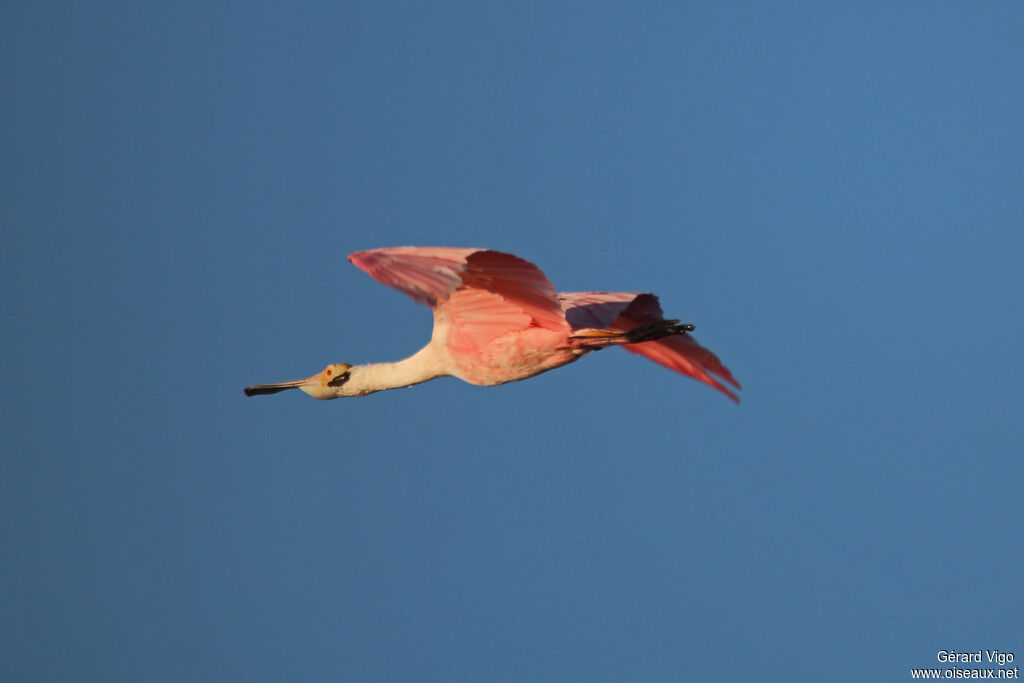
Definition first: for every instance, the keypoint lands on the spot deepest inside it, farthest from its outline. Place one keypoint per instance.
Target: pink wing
(427, 274)
(623, 311)
(484, 293)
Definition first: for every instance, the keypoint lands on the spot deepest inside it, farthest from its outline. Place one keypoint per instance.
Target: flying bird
(498, 319)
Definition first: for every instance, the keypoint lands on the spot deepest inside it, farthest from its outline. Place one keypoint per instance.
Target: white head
(327, 384)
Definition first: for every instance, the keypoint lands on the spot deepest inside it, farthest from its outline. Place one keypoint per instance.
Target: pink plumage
(623, 311)
(498, 319)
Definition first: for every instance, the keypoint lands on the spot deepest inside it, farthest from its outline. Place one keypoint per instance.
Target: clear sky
(830, 192)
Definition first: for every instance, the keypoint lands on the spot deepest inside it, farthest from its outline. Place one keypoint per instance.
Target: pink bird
(498, 319)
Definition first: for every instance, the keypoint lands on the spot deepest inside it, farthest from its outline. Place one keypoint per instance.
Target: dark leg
(592, 340)
(658, 330)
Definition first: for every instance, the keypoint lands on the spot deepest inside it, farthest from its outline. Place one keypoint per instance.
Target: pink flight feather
(487, 295)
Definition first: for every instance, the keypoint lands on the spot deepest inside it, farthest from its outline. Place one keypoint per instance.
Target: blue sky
(831, 194)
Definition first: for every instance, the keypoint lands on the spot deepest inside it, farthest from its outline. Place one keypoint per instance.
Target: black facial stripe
(339, 380)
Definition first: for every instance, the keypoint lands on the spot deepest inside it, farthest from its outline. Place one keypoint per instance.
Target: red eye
(328, 373)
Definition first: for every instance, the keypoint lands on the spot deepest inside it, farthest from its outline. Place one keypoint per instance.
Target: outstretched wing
(484, 293)
(624, 311)
(427, 274)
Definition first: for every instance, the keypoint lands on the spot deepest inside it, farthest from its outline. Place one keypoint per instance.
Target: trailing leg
(593, 340)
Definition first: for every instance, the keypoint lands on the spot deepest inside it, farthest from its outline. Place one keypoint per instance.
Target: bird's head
(327, 384)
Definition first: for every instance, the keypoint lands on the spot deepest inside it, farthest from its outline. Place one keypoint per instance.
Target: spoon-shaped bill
(264, 389)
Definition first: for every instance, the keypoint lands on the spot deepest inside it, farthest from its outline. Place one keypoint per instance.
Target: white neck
(422, 366)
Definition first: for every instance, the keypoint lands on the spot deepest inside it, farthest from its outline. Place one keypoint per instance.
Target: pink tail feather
(685, 356)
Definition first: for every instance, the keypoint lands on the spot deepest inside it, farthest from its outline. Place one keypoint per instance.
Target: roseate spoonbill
(498, 319)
